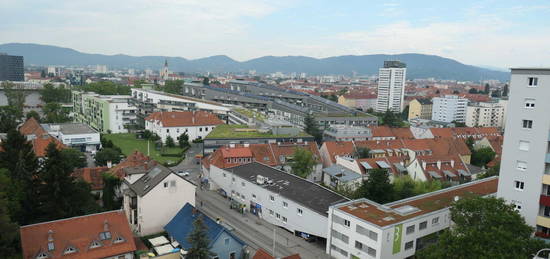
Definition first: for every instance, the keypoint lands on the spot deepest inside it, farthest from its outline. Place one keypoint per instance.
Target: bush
(107, 154)
(170, 142)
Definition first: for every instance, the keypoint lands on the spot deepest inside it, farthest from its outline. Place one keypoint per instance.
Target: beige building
(486, 114)
(420, 109)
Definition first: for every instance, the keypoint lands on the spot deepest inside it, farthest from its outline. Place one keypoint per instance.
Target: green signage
(397, 234)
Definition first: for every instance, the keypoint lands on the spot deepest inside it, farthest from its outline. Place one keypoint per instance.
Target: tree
(110, 184)
(107, 154)
(106, 88)
(33, 114)
(456, 92)
(173, 86)
(52, 94)
(183, 140)
(403, 187)
(330, 97)
(495, 170)
(487, 89)
(312, 128)
(74, 157)
(377, 187)
(16, 97)
(482, 156)
(459, 123)
(54, 113)
(405, 113)
(470, 143)
(199, 241)
(170, 142)
(391, 119)
(9, 240)
(303, 162)
(472, 91)
(206, 80)
(362, 152)
(484, 228)
(505, 90)
(43, 74)
(9, 118)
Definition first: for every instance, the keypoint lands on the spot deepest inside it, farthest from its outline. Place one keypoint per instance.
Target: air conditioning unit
(260, 179)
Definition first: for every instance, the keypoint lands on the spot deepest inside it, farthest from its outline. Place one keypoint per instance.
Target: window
(358, 245)
(243, 184)
(340, 236)
(409, 245)
(519, 185)
(165, 184)
(339, 250)
(271, 212)
(284, 219)
(371, 251)
(435, 221)
(226, 241)
(529, 103)
(95, 244)
(423, 225)
(69, 250)
(300, 211)
(173, 183)
(285, 204)
(546, 212)
(42, 256)
(532, 81)
(167, 130)
(521, 165)
(233, 179)
(278, 216)
(254, 196)
(517, 206)
(119, 240)
(223, 174)
(365, 232)
(271, 198)
(51, 246)
(347, 223)
(105, 235)
(200, 129)
(527, 124)
(524, 145)
(410, 229)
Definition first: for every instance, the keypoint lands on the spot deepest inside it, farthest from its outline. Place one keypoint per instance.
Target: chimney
(439, 164)
(105, 226)
(50, 235)
(424, 165)
(109, 164)
(452, 163)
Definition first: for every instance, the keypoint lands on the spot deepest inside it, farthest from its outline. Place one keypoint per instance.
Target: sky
(499, 33)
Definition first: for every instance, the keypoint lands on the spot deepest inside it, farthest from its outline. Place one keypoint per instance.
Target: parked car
(183, 173)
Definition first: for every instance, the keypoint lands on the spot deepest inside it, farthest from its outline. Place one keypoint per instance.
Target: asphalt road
(256, 232)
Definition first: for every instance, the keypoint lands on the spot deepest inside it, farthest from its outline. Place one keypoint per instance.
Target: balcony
(544, 200)
(546, 179)
(547, 160)
(543, 221)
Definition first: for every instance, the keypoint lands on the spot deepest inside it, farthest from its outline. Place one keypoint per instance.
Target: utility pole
(147, 147)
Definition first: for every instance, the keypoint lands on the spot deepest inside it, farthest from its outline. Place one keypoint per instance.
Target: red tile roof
(92, 175)
(79, 233)
(40, 144)
(136, 159)
(32, 127)
(236, 152)
(184, 118)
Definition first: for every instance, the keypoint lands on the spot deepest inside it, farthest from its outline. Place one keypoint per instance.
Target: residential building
(279, 155)
(525, 164)
(148, 101)
(196, 125)
(363, 101)
(104, 113)
(93, 176)
(449, 108)
(152, 196)
(222, 242)
(347, 133)
(39, 138)
(11, 68)
(280, 198)
(365, 229)
(225, 134)
(101, 235)
(75, 135)
(485, 114)
(339, 177)
(391, 87)
(421, 109)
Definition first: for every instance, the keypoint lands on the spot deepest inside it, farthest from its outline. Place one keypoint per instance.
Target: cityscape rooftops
(402, 210)
(227, 131)
(297, 189)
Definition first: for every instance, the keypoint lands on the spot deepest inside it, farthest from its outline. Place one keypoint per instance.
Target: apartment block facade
(525, 163)
(11, 68)
(449, 108)
(391, 86)
(486, 114)
(104, 113)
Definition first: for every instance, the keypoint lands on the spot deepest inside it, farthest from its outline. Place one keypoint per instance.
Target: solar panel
(366, 165)
(449, 173)
(434, 174)
(383, 164)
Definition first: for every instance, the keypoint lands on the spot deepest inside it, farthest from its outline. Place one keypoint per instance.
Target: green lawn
(128, 143)
(239, 131)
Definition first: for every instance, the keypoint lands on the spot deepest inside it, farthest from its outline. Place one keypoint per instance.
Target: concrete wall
(309, 221)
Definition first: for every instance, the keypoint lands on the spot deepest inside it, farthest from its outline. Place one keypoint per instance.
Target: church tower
(164, 72)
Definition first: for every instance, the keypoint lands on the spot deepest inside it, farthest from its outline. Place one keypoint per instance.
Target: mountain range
(418, 65)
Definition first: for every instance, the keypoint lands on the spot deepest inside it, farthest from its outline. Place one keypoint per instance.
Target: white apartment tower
(525, 167)
(486, 114)
(391, 86)
(449, 108)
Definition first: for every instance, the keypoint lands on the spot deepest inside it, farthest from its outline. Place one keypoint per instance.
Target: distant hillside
(418, 65)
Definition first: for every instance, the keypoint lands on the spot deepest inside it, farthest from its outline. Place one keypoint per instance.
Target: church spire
(166, 63)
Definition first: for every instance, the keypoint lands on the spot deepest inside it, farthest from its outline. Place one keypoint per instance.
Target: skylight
(407, 209)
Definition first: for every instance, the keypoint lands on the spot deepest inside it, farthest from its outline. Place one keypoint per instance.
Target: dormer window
(51, 246)
(95, 244)
(69, 250)
(119, 240)
(42, 256)
(106, 235)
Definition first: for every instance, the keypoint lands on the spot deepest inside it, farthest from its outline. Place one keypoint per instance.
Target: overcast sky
(493, 33)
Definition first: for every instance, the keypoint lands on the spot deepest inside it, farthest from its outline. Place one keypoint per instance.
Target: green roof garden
(243, 131)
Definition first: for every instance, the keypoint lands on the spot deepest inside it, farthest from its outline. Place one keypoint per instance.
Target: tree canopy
(52, 94)
(303, 162)
(377, 187)
(107, 154)
(484, 228)
(106, 88)
(54, 113)
(312, 128)
(482, 156)
(199, 241)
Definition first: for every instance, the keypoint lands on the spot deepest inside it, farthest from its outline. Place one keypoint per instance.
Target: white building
(104, 113)
(449, 108)
(365, 229)
(486, 114)
(153, 196)
(391, 86)
(75, 135)
(195, 124)
(173, 102)
(525, 163)
(280, 198)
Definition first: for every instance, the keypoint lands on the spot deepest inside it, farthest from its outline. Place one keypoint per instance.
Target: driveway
(189, 164)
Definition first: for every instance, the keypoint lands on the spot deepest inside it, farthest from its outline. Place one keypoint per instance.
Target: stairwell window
(521, 165)
(519, 185)
(529, 103)
(527, 124)
(532, 81)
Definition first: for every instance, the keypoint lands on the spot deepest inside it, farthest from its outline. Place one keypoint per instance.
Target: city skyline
(479, 33)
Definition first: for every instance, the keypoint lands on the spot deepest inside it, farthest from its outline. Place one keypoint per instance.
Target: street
(256, 232)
